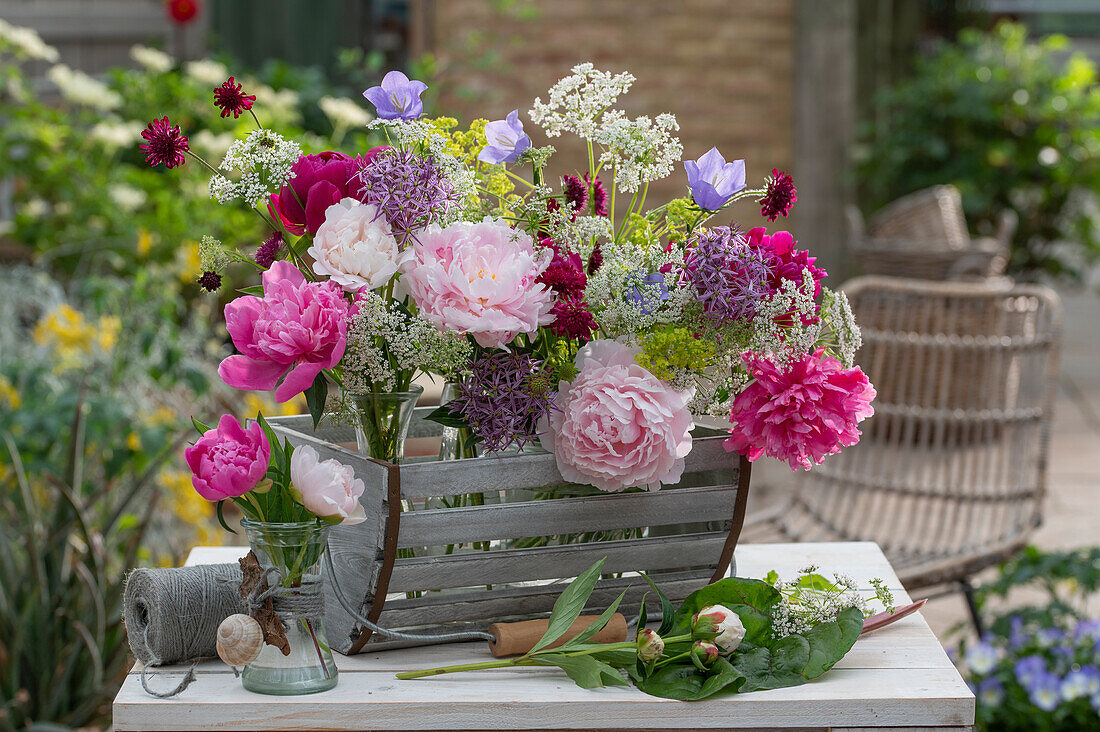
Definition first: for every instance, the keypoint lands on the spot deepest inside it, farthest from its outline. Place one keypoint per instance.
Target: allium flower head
(779, 197)
(713, 181)
(266, 253)
(164, 144)
(728, 275)
(800, 415)
(506, 140)
(501, 400)
(231, 99)
(397, 97)
(572, 318)
(409, 190)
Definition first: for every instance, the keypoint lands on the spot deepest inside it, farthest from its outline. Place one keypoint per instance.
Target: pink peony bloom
(318, 181)
(616, 425)
(479, 278)
(800, 415)
(228, 461)
(286, 338)
(329, 489)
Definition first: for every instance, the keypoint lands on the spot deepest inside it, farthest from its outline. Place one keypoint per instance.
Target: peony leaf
(444, 416)
(687, 683)
(667, 611)
(586, 671)
(752, 600)
(316, 395)
(569, 605)
(596, 625)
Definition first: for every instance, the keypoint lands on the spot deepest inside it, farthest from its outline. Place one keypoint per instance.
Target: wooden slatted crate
(417, 566)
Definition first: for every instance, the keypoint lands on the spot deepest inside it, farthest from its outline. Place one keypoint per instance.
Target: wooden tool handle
(510, 639)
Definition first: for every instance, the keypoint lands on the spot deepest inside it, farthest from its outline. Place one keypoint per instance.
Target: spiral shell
(240, 640)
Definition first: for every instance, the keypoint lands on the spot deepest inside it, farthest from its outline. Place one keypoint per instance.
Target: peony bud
(722, 624)
(650, 645)
(704, 654)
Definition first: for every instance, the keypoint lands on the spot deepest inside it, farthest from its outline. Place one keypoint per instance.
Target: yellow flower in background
(193, 511)
(133, 442)
(189, 261)
(9, 397)
(256, 402)
(144, 242)
(161, 417)
(72, 337)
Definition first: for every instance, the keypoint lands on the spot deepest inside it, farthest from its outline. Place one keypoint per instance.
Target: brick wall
(724, 68)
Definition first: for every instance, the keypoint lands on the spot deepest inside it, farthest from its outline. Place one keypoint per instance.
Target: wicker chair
(924, 235)
(950, 473)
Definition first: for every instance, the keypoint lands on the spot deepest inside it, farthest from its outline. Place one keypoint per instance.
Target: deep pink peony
(479, 278)
(785, 261)
(800, 415)
(616, 425)
(228, 461)
(286, 337)
(318, 182)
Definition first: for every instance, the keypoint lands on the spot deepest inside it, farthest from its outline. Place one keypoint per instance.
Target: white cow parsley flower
(151, 58)
(262, 162)
(577, 101)
(638, 150)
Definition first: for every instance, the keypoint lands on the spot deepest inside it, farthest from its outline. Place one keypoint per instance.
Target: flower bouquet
(568, 315)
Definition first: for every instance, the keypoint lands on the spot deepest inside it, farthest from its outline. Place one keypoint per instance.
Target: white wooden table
(896, 678)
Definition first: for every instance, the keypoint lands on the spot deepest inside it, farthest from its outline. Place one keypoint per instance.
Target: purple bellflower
(397, 97)
(713, 181)
(507, 140)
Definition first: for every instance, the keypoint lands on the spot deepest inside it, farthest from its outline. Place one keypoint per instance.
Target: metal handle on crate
(466, 635)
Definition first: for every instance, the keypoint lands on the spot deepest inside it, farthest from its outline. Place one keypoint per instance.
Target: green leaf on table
(569, 605)
(687, 683)
(316, 395)
(752, 600)
(596, 625)
(771, 577)
(586, 671)
(830, 641)
(617, 657)
(667, 611)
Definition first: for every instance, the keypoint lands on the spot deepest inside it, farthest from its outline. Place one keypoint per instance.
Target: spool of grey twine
(172, 615)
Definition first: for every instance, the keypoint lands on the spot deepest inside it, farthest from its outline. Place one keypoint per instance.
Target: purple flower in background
(1029, 668)
(1085, 681)
(407, 189)
(1087, 628)
(729, 275)
(397, 97)
(990, 692)
(507, 140)
(1045, 691)
(982, 657)
(503, 399)
(1048, 637)
(712, 180)
(1095, 702)
(1017, 636)
(647, 291)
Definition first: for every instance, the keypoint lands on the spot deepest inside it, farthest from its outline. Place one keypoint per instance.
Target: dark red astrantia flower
(164, 144)
(779, 197)
(231, 99)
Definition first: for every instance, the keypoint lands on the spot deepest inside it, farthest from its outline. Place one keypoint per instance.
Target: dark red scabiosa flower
(164, 144)
(599, 195)
(565, 274)
(266, 253)
(595, 260)
(182, 12)
(576, 193)
(779, 197)
(231, 99)
(210, 281)
(573, 319)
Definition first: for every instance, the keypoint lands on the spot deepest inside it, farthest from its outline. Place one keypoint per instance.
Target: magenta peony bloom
(286, 338)
(479, 278)
(228, 461)
(326, 488)
(784, 260)
(800, 415)
(616, 425)
(318, 182)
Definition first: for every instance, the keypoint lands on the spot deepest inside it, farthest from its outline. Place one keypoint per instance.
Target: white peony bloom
(724, 622)
(355, 247)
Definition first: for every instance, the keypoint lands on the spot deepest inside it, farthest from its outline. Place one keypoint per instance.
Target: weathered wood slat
(516, 565)
(565, 515)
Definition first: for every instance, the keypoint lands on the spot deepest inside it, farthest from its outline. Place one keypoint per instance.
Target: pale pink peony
(479, 278)
(800, 415)
(354, 247)
(327, 488)
(286, 338)
(617, 426)
(228, 460)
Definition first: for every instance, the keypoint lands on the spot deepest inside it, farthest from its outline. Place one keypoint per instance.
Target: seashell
(240, 640)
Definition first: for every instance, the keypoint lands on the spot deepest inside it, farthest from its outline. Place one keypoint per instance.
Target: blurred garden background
(108, 345)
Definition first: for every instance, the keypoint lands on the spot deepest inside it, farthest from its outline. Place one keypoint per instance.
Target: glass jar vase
(382, 421)
(290, 555)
